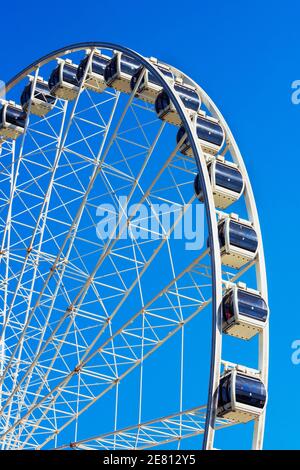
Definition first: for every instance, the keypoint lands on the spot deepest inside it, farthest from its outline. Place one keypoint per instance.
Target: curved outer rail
(216, 343)
(261, 279)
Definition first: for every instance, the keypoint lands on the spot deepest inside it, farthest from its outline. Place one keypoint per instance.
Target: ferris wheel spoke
(6, 169)
(65, 334)
(123, 113)
(43, 215)
(115, 132)
(15, 174)
(151, 149)
(41, 220)
(30, 290)
(71, 233)
(80, 317)
(157, 432)
(169, 326)
(141, 357)
(54, 296)
(6, 255)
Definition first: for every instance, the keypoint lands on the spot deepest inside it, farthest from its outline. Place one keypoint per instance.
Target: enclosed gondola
(119, 72)
(226, 182)
(245, 312)
(149, 86)
(95, 74)
(210, 134)
(41, 100)
(12, 120)
(238, 241)
(63, 82)
(242, 396)
(165, 108)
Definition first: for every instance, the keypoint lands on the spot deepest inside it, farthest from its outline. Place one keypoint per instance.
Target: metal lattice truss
(155, 433)
(65, 290)
(93, 199)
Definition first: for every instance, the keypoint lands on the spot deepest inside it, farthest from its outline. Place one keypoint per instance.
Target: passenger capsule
(149, 87)
(63, 82)
(238, 241)
(226, 182)
(95, 75)
(120, 70)
(12, 120)
(209, 132)
(241, 398)
(245, 312)
(42, 101)
(165, 108)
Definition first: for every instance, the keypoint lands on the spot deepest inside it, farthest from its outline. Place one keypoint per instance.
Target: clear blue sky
(245, 55)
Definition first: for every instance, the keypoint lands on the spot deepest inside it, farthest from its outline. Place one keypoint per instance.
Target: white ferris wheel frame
(211, 213)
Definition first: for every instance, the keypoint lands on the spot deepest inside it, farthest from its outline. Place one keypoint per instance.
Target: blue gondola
(242, 397)
(165, 108)
(120, 70)
(95, 75)
(149, 87)
(42, 101)
(238, 241)
(63, 82)
(226, 182)
(245, 312)
(12, 120)
(209, 132)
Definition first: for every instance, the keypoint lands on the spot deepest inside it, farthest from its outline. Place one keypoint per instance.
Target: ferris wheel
(125, 324)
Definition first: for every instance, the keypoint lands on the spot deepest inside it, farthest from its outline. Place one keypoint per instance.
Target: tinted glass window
(1, 115)
(42, 93)
(224, 392)
(111, 69)
(180, 134)
(228, 306)
(228, 177)
(221, 232)
(81, 68)
(99, 64)
(252, 305)
(25, 97)
(162, 102)
(152, 79)
(197, 187)
(250, 391)
(209, 131)
(69, 74)
(15, 117)
(128, 65)
(167, 73)
(135, 78)
(54, 78)
(188, 96)
(242, 236)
